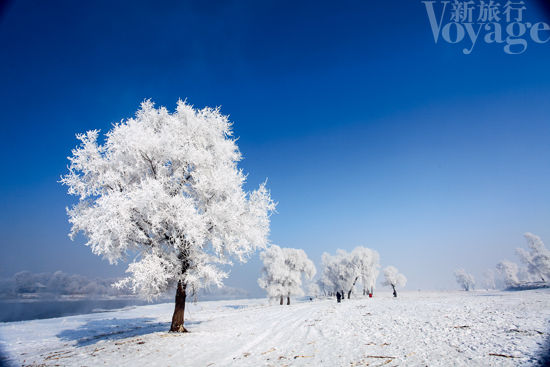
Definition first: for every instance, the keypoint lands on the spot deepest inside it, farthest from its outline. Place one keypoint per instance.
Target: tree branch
(153, 169)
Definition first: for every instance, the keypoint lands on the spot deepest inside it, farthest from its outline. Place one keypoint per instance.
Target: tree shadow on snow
(4, 359)
(544, 358)
(113, 329)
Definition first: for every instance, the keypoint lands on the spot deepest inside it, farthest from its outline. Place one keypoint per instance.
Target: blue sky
(369, 132)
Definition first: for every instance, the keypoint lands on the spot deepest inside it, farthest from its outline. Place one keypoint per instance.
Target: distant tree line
(58, 283)
(284, 268)
(532, 272)
(536, 265)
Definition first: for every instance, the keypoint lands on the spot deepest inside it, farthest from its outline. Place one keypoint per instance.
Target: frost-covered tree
(342, 270)
(465, 280)
(537, 265)
(283, 271)
(329, 279)
(367, 263)
(325, 284)
(313, 290)
(537, 259)
(165, 187)
(489, 279)
(509, 271)
(339, 272)
(393, 278)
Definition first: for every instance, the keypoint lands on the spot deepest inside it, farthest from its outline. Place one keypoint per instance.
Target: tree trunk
(179, 310)
(281, 301)
(353, 285)
(364, 292)
(394, 291)
(288, 300)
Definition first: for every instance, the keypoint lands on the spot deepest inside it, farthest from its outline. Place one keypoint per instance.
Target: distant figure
(370, 295)
(338, 297)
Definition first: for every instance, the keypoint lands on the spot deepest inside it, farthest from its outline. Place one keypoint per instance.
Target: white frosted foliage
(393, 278)
(509, 270)
(537, 259)
(489, 279)
(283, 271)
(166, 186)
(537, 265)
(465, 280)
(367, 262)
(342, 270)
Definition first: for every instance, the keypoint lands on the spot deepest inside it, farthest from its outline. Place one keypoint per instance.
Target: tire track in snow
(286, 328)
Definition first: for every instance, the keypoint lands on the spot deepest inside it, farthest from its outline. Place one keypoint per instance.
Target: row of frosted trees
(165, 189)
(535, 272)
(536, 265)
(284, 269)
(342, 271)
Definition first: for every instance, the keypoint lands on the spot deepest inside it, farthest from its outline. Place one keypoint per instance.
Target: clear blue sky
(369, 132)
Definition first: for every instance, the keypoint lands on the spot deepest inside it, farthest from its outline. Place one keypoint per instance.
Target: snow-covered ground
(418, 328)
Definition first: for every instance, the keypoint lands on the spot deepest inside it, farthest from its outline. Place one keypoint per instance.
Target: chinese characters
(489, 21)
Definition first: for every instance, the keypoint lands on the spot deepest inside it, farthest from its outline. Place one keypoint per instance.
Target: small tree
(509, 271)
(166, 187)
(283, 270)
(393, 278)
(465, 280)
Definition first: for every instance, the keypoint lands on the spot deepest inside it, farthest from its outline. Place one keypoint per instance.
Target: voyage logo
(484, 21)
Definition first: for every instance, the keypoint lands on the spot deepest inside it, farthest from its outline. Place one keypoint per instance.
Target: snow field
(415, 329)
